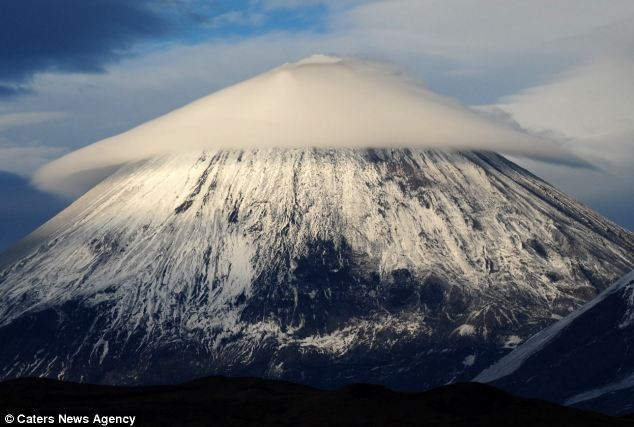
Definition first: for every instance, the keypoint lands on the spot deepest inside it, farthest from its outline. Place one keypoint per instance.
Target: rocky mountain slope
(411, 268)
(585, 359)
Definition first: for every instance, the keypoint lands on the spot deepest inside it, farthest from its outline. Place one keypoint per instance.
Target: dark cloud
(73, 35)
(23, 208)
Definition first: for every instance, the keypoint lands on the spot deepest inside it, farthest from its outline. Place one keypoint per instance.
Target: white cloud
(589, 108)
(589, 101)
(471, 49)
(467, 28)
(319, 102)
(23, 160)
(418, 36)
(11, 120)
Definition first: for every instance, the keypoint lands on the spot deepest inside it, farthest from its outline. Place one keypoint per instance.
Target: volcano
(409, 267)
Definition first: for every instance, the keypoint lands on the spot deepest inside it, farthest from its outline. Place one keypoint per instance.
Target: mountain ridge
(557, 363)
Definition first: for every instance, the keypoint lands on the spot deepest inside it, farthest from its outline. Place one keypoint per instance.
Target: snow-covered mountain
(220, 243)
(411, 268)
(586, 359)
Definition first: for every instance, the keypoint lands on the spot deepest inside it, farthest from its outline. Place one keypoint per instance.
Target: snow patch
(469, 360)
(512, 341)
(465, 330)
(628, 297)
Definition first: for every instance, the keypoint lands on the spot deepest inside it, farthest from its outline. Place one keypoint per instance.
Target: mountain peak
(319, 59)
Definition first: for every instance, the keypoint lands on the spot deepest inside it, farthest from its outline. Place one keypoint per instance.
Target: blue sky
(75, 71)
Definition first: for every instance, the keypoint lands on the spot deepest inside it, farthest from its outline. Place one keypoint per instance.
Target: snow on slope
(407, 267)
(319, 102)
(513, 361)
(585, 359)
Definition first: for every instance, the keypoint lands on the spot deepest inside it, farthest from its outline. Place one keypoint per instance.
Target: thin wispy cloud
(11, 120)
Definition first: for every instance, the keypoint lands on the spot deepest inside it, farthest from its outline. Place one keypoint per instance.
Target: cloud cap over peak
(320, 101)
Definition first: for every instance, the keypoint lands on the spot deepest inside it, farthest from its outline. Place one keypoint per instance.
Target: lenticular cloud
(321, 101)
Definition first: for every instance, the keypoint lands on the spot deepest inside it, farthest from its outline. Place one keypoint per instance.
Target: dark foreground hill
(219, 401)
